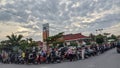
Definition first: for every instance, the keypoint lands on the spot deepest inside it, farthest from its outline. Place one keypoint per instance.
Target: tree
(24, 45)
(32, 43)
(5, 45)
(92, 37)
(99, 39)
(118, 37)
(113, 37)
(106, 34)
(27, 44)
(14, 40)
(56, 39)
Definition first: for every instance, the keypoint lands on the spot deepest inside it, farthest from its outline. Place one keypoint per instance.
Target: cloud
(7, 29)
(71, 16)
(12, 27)
(3, 2)
(115, 29)
(76, 5)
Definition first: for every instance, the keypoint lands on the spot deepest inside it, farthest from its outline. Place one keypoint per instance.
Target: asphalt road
(110, 59)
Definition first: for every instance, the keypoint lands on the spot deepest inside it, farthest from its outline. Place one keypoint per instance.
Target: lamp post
(99, 31)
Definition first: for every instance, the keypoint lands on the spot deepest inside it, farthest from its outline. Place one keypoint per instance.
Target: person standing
(23, 55)
(70, 54)
(83, 52)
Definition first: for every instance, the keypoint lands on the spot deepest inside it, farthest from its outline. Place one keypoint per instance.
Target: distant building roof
(39, 43)
(77, 36)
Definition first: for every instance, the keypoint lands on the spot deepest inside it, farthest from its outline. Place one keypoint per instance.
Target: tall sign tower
(45, 31)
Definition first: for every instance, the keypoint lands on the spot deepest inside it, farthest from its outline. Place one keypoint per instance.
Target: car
(118, 47)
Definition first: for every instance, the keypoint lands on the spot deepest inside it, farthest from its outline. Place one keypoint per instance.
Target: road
(109, 59)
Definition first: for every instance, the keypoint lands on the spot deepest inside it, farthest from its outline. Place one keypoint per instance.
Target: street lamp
(99, 30)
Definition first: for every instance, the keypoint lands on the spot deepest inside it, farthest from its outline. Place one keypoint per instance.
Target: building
(78, 38)
(69, 38)
(39, 43)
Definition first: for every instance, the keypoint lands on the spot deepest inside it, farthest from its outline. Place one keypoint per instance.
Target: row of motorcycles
(30, 58)
(55, 56)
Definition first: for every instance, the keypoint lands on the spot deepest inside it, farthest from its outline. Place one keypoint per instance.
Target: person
(23, 55)
(53, 55)
(4, 57)
(34, 58)
(78, 54)
(0, 58)
(43, 57)
(58, 56)
(30, 59)
(48, 57)
(39, 57)
(70, 54)
(12, 58)
(83, 52)
(26, 56)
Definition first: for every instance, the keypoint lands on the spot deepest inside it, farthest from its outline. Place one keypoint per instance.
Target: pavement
(110, 59)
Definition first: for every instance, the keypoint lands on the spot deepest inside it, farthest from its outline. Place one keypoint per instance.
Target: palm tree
(31, 42)
(24, 45)
(4, 44)
(14, 39)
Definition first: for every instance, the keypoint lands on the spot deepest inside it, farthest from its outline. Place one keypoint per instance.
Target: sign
(68, 43)
(45, 31)
(44, 46)
(46, 27)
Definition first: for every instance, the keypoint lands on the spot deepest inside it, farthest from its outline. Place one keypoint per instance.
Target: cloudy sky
(70, 16)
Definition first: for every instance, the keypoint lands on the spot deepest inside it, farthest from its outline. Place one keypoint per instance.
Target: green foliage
(5, 44)
(88, 43)
(61, 45)
(27, 44)
(15, 43)
(73, 44)
(14, 39)
(54, 39)
(113, 37)
(100, 39)
(24, 45)
(92, 37)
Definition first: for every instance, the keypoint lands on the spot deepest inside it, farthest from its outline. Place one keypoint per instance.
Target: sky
(26, 17)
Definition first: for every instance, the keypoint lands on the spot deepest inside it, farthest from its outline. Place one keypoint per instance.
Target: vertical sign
(45, 31)
(44, 48)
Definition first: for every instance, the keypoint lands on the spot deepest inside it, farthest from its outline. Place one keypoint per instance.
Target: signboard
(68, 43)
(44, 46)
(45, 31)
(46, 27)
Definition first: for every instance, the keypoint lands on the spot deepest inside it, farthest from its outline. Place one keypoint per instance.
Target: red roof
(39, 43)
(74, 36)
